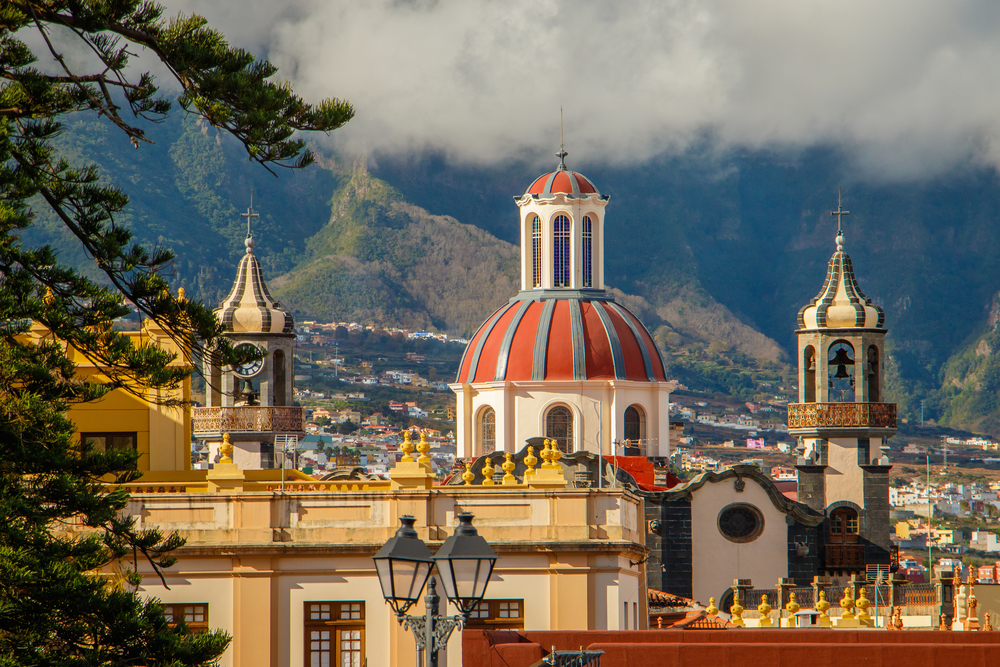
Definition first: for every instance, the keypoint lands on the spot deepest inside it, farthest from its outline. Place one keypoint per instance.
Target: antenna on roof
(562, 145)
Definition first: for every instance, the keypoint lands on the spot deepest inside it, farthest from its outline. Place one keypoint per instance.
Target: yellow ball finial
(546, 454)
(792, 607)
(555, 455)
(530, 460)
(406, 448)
(823, 607)
(181, 295)
(226, 450)
(468, 475)
(711, 608)
(847, 604)
(423, 447)
(508, 468)
(862, 604)
(737, 611)
(764, 609)
(488, 472)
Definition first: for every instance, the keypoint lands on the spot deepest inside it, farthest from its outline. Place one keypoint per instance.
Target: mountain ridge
(716, 253)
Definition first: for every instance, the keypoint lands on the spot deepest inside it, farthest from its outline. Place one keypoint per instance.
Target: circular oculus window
(741, 522)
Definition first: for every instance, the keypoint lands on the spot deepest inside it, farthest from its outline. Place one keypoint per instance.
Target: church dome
(841, 304)
(562, 181)
(562, 339)
(249, 308)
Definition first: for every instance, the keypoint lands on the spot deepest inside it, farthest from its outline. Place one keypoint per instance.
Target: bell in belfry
(249, 393)
(841, 361)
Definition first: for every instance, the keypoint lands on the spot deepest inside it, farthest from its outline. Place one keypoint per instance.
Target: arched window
(588, 252)
(279, 377)
(559, 427)
(536, 251)
(560, 257)
(635, 424)
(872, 372)
(844, 526)
(487, 431)
(809, 375)
(840, 372)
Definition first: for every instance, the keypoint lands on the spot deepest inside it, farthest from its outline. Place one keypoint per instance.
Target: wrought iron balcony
(841, 415)
(247, 419)
(845, 556)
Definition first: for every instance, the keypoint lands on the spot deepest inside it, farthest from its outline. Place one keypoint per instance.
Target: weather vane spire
(562, 145)
(250, 216)
(840, 213)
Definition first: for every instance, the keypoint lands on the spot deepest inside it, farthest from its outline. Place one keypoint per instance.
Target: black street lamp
(465, 563)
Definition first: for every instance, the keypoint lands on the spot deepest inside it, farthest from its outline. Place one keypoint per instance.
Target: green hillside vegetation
(382, 260)
(715, 254)
(969, 395)
(749, 235)
(192, 199)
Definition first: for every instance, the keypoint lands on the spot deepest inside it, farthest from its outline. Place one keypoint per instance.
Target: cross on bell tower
(839, 214)
(250, 216)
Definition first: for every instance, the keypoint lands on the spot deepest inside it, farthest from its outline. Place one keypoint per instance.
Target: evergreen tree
(58, 606)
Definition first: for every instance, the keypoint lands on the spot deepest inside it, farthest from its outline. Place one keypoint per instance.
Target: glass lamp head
(403, 565)
(465, 563)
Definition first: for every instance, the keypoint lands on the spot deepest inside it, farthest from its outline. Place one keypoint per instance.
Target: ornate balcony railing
(841, 415)
(845, 556)
(247, 419)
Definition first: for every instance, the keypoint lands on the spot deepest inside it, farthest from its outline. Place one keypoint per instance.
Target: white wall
(598, 408)
(844, 479)
(715, 560)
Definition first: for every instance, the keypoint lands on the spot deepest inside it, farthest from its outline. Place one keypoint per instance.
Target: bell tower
(841, 419)
(253, 402)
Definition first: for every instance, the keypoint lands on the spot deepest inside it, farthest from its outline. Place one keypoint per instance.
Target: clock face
(250, 368)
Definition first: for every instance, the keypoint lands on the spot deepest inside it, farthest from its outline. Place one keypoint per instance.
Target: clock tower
(253, 402)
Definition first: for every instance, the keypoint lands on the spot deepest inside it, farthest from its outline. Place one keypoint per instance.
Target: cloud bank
(907, 87)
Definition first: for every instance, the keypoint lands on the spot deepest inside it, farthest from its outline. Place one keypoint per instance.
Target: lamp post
(464, 562)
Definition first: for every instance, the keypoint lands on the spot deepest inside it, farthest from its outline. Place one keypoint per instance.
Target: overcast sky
(908, 87)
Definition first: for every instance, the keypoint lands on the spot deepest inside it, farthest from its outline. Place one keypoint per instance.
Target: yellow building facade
(160, 433)
(289, 573)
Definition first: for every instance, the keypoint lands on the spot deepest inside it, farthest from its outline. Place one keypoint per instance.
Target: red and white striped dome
(562, 339)
(562, 181)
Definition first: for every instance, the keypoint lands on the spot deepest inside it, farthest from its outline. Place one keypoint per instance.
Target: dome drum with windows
(561, 359)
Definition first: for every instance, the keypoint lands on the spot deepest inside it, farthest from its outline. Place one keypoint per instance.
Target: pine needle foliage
(62, 532)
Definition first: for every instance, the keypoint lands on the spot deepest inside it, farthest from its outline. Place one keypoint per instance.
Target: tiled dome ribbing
(562, 339)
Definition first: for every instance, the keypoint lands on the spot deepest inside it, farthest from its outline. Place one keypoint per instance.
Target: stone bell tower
(841, 419)
(252, 402)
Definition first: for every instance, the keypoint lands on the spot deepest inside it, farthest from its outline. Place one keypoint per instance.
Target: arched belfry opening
(840, 372)
(809, 375)
(872, 372)
(279, 378)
